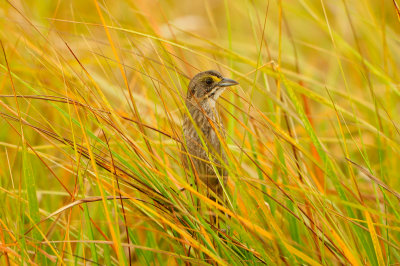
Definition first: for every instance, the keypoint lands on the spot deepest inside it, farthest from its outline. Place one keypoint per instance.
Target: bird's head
(207, 86)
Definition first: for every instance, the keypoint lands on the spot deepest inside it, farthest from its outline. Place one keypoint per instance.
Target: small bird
(202, 94)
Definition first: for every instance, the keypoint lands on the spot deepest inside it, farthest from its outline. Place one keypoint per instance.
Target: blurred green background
(91, 103)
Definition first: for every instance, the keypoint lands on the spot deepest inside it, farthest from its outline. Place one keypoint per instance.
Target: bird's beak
(227, 82)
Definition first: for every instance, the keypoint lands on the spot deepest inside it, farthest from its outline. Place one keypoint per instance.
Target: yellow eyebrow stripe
(216, 79)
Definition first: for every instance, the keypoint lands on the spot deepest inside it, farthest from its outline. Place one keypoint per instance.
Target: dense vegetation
(91, 104)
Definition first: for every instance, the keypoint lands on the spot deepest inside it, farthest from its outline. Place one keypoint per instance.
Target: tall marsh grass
(91, 104)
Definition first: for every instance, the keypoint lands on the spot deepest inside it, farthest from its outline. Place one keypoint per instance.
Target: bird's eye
(209, 81)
